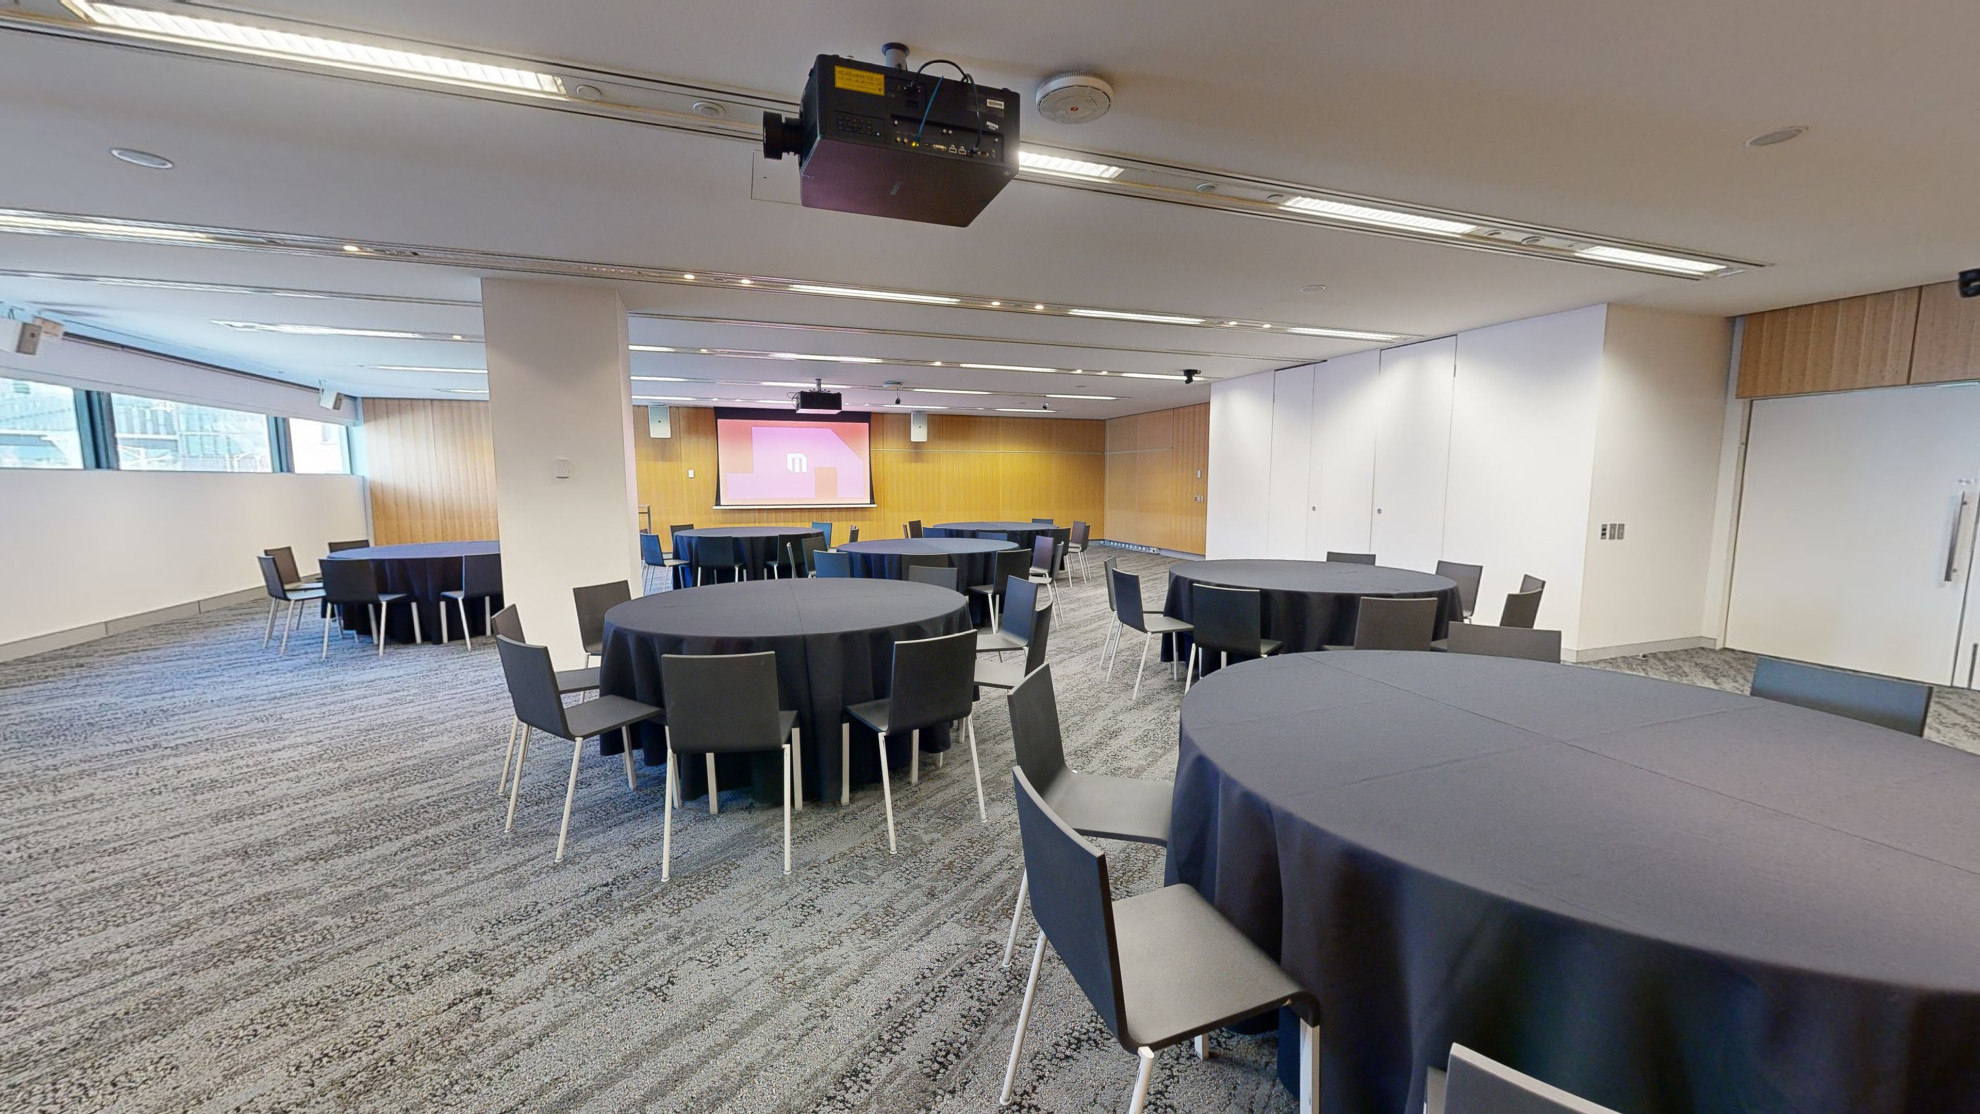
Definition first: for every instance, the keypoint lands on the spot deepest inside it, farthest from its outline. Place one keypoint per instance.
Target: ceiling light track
(155, 232)
(295, 45)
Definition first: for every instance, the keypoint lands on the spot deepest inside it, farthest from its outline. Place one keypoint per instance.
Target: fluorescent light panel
(945, 391)
(1343, 334)
(1023, 410)
(808, 386)
(658, 379)
(1007, 367)
(1149, 375)
(1040, 163)
(1386, 218)
(877, 295)
(647, 348)
(324, 330)
(21, 222)
(1124, 315)
(444, 370)
(1633, 258)
(1089, 398)
(343, 54)
(825, 359)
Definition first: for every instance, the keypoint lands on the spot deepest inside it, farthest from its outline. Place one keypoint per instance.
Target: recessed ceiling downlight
(141, 158)
(1778, 135)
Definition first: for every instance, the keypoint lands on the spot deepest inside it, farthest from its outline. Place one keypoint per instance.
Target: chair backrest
(934, 681)
(650, 550)
(1228, 619)
(1020, 607)
(1080, 533)
(1127, 598)
(1041, 522)
(533, 686)
(1041, 750)
(993, 536)
(1044, 551)
(1011, 563)
(1107, 568)
(285, 564)
(1521, 609)
(1884, 701)
(674, 543)
(804, 552)
(1467, 577)
(824, 534)
(716, 553)
(508, 624)
(1392, 624)
(350, 581)
(827, 564)
(721, 703)
(852, 534)
(1351, 558)
(1530, 583)
(914, 528)
(481, 573)
(942, 576)
(1476, 1084)
(271, 578)
(1041, 633)
(593, 601)
(1072, 900)
(1506, 642)
(354, 543)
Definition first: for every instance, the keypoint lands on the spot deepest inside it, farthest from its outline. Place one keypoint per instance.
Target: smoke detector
(1074, 98)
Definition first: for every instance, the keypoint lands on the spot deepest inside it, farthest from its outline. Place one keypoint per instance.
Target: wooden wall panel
(971, 468)
(1947, 345)
(1157, 469)
(431, 469)
(1830, 346)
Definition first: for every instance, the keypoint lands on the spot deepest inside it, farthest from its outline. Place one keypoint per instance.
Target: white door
(1856, 529)
(1412, 452)
(1240, 466)
(1341, 477)
(1292, 440)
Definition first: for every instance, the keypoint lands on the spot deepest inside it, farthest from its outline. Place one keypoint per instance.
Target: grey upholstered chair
(1114, 628)
(1228, 621)
(1393, 624)
(912, 529)
(931, 686)
(1010, 565)
(717, 554)
(1094, 805)
(824, 534)
(354, 543)
(1478, 1085)
(280, 593)
(802, 554)
(1350, 558)
(1076, 546)
(1504, 642)
(508, 624)
(1127, 608)
(941, 576)
(1160, 967)
(481, 578)
(533, 691)
(354, 583)
(1522, 608)
(1467, 577)
(1002, 674)
(1014, 625)
(1044, 557)
(285, 563)
(724, 704)
(593, 601)
(1884, 701)
(831, 564)
(1043, 521)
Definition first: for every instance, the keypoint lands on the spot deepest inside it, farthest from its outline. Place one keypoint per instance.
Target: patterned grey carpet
(232, 881)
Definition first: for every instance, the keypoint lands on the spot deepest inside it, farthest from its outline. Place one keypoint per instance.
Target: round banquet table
(424, 570)
(834, 641)
(1022, 534)
(1310, 604)
(1663, 898)
(887, 559)
(759, 546)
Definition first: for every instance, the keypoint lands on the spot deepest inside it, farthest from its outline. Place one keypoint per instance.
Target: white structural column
(560, 407)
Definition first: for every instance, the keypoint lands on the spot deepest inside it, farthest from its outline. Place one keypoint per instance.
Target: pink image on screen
(773, 462)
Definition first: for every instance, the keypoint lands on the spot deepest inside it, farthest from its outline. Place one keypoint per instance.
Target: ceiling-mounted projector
(889, 142)
(819, 401)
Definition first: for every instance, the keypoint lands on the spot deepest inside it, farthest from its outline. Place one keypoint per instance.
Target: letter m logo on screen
(796, 462)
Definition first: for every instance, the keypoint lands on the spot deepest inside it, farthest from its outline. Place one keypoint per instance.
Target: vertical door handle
(1958, 530)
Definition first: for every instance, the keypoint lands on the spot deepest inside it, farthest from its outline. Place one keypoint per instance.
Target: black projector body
(818, 402)
(890, 143)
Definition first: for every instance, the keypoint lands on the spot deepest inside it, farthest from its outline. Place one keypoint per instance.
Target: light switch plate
(560, 469)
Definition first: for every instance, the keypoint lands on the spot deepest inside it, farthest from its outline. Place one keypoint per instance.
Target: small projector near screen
(764, 458)
(818, 402)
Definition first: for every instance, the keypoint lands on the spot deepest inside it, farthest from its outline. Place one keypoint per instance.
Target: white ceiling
(1622, 120)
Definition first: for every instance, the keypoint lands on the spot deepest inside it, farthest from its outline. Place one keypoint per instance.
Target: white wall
(1522, 448)
(1660, 426)
(90, 547)
(1239, 484)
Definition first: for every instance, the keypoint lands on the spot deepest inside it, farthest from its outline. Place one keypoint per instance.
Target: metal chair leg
(632, 773)
(887, 792)
(1017, 912)
(797, 767)
(570, 795)
(667, 824)
(1024, 1019)
(412, 605)
(914, 757)
(787, 808)
(1309, 1068)
(515, 779)
(268, 634)
(467, 635)
(325, 655)
(1140, 1100)
(509, 755)
(845, 763)
(714, 798)
(977, 769)
(377, 628)
(1144, 665)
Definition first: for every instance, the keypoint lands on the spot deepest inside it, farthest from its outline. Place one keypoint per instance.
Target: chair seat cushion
(577, 680)
(1186, 970)
(1113, 807)
(304, 591)
(999, 674)
(877, 714)
(786, 721)
(1163, 624)
(988, 642)
(607, 713)
(460, 594)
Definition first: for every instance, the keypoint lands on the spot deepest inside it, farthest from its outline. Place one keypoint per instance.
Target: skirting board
(1638, 649)
(55, 640)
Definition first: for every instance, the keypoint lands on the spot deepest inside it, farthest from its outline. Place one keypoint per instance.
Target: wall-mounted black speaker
(1969, 283)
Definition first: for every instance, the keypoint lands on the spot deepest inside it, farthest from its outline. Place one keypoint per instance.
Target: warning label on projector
(859, 81)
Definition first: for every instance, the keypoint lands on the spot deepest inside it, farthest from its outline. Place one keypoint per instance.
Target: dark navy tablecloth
(424, 570)
(759, 547)
(1310, 604)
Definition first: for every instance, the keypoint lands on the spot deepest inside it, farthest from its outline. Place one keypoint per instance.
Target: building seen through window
(38, 426)
(157, 435)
